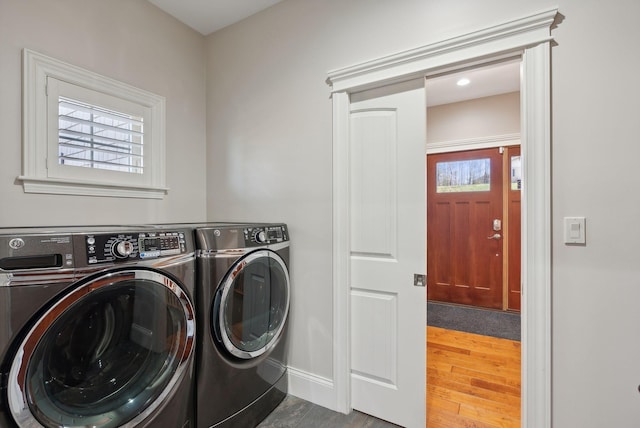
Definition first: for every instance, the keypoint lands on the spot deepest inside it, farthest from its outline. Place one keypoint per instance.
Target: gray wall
(268, 153)
(493, 116)
(269, 158)
(131, 41)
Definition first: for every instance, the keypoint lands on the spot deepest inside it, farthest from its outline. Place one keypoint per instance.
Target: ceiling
(208, 16)
(484, 81)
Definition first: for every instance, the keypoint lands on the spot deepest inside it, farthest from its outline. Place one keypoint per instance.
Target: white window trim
(35, 175)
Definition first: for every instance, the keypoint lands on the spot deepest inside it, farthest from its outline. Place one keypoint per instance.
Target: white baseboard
(316, 389)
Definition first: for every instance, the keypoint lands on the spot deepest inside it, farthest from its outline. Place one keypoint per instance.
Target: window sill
(71, 187)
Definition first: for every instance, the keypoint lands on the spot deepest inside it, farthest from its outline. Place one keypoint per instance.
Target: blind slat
(97, 139)
(94, 124)
(99, 150)
(94, 137)
(106, 163)
(70, 105)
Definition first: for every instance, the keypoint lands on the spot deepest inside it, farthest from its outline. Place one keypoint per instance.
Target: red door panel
(464, 197)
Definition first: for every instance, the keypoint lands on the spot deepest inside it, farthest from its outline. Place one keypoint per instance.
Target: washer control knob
(261, 237)
(122, 249)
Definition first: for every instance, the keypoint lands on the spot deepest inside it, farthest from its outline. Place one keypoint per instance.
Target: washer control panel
(265, 235)
(114, 247)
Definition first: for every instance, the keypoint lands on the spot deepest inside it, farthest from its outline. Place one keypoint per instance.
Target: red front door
(464, 228)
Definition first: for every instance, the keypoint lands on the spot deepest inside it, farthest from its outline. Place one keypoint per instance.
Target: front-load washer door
(251, 305)
(107, 353)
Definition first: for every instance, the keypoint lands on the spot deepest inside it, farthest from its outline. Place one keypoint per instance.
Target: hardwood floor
(473, 381)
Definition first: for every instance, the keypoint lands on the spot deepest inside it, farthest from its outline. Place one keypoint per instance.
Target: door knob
(495, 236)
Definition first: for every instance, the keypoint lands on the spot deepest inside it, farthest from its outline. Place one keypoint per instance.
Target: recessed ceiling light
(463, 82)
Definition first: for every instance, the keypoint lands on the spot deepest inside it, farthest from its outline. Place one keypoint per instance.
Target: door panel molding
(376, 312)
(530, 37)
(374, 139)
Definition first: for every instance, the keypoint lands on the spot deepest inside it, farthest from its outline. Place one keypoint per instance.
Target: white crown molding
(506, 38)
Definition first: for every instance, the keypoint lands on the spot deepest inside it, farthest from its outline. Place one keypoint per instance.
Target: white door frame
(531, 38)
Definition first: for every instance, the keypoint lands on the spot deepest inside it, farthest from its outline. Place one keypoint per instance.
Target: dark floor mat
(505, 325)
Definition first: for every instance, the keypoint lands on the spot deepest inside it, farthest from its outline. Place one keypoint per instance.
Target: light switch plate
(574, 230)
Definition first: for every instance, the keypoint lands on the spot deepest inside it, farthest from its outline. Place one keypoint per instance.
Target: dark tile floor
(295, 412)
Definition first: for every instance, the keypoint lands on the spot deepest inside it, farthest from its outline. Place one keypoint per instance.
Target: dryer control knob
(122, 249)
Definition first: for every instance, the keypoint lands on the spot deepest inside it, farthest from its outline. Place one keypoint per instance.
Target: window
(96, 137)
(463, 176)
(516, 173)
(86, 134)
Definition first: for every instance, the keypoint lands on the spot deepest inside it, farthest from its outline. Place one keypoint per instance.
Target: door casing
(530, 37)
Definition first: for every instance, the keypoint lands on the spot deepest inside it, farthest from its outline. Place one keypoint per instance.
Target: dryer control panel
(265, 235)
(113, 247)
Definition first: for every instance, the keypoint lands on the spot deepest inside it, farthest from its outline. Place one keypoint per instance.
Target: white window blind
(94, 137)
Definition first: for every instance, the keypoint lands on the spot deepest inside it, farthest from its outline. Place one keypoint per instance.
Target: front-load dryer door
(107, 353)
(251, 305)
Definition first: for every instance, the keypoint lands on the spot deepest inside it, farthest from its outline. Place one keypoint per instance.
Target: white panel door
(387, 246)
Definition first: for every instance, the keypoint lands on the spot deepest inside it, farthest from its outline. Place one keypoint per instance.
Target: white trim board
(316, 389)
(473, 144)
(530, 37)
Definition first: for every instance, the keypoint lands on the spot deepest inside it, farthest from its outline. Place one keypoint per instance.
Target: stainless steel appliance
(242, 305)
(97, 327)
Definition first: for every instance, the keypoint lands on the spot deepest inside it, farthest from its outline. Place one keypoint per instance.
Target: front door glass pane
(516, 173)
(472, 175)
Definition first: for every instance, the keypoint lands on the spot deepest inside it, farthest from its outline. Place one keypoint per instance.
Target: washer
(97, 327)
(242, 305)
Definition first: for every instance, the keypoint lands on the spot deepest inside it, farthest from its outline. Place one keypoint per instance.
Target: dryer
(242, 306)
(97, 327)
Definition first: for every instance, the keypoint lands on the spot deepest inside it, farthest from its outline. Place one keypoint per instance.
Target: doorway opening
(474, 185)
(531, 37)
